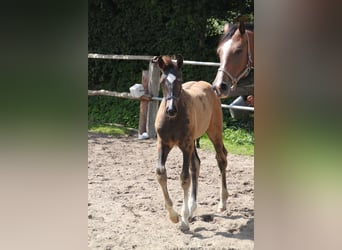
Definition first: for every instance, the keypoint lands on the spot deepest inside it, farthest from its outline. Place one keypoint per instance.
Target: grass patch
(111, 129)
(236, 140)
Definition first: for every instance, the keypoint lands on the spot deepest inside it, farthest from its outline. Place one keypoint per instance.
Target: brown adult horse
(236, 52)
(186, 112)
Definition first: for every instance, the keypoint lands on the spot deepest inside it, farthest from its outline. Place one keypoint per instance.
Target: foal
(186, 112)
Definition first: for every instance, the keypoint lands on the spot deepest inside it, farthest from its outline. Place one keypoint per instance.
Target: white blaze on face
(225, 48)
(171, 78)
(170, 102)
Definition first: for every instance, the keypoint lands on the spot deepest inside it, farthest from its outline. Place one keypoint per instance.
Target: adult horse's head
(236, 52)
(171, 82)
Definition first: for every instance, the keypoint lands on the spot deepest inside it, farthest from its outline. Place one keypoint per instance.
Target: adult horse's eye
(238, 51)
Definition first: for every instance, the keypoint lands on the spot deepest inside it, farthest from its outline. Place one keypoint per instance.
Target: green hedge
(191, 28)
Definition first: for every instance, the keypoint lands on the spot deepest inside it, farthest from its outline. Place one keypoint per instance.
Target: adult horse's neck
(250, 35)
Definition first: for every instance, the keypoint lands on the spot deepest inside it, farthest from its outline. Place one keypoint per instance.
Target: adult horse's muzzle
(222, 89)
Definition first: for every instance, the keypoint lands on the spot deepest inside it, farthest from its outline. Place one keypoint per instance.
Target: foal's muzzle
(171, 112)
(171, 109)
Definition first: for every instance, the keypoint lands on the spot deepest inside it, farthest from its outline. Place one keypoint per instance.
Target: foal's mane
(232, 29)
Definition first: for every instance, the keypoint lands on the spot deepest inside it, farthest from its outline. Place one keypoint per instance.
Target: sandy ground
(126, 206)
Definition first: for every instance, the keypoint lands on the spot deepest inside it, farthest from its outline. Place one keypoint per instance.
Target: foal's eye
(238, 51)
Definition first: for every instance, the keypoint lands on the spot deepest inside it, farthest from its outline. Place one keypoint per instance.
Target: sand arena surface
(126, 205)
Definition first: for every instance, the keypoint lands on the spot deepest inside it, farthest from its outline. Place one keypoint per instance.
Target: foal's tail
(197, 143)
(195, 150)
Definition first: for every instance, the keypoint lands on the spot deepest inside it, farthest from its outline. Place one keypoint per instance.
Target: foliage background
(151, 27)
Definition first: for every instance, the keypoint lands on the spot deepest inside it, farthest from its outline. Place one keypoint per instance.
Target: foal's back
(203, 105)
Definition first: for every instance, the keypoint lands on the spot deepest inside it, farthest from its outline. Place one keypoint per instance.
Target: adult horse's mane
(232, 29)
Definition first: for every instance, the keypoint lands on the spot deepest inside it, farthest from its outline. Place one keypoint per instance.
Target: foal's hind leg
(194, 171)
(163, 151)
(222, 162)
(221, 157)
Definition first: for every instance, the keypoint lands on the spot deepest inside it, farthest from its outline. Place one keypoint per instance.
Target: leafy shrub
(150, 27)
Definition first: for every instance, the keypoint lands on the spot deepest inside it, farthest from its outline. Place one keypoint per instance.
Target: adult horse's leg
(185, 183)
(194, 172)
(221, 157)
(163, 151)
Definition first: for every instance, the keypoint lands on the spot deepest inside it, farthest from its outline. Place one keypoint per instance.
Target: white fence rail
(149, 58)
(146, 58)
(151, 86)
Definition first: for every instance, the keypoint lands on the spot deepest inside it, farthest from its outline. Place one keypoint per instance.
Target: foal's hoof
(174, 218)
(221, 209)
(184, 227)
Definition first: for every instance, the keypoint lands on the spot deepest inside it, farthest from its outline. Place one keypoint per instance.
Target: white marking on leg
(185, 213)
(223, 200)
(192, 206)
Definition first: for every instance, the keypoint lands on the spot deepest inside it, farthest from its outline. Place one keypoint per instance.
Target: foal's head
(171, 82)
(236, 52)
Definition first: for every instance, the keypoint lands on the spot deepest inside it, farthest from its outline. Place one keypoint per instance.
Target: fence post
(153, 90)
(143, 104)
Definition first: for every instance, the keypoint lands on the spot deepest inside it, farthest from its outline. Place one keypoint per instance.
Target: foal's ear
(179, 61)
(241, 27)
(160, 61)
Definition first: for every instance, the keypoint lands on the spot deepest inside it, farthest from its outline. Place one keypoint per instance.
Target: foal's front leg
(185, 183)
(194, 171)
(163, 151)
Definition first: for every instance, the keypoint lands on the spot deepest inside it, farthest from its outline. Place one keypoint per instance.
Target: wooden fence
(150, 81)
